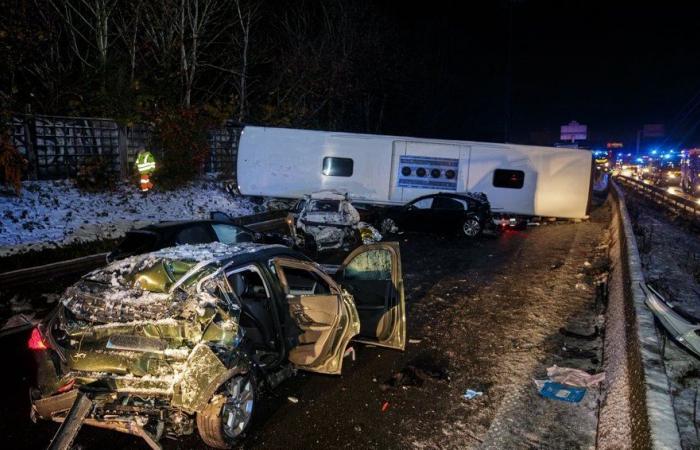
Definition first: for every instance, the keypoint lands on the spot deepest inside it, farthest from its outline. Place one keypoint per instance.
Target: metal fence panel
(56, 146)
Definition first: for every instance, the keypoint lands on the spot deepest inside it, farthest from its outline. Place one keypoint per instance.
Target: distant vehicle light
(672, 175)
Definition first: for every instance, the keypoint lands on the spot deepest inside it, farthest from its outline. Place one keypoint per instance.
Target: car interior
(256, 315)
(314, 308)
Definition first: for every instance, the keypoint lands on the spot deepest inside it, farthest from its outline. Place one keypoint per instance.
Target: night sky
(611, 65)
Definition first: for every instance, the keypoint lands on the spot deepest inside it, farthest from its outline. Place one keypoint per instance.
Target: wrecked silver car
(328, 220)
(184, 338)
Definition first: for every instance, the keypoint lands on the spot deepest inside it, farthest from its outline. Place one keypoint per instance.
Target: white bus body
(518, 179)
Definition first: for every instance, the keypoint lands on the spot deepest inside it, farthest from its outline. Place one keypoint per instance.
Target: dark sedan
(170, 234)
(468, 214)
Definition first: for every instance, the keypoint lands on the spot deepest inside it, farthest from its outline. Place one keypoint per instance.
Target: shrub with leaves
(96, 174)
(12, 164)
(179, 142)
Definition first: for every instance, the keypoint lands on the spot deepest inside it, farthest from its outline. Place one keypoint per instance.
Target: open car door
(326, 317)
(372, 274)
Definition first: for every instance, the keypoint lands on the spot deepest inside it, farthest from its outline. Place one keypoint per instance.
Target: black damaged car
(468, 214)
(173, 233)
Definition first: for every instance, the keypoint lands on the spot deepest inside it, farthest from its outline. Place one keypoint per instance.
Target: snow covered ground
(55, 213)
(670, 257)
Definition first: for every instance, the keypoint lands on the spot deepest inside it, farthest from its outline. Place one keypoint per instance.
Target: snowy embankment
(55, 213)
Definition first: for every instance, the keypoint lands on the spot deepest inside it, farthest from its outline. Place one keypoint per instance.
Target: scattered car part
(73, 422)
(684, 328)
(186, 335)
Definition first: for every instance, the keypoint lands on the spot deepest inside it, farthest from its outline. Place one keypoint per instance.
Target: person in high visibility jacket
(146, 165)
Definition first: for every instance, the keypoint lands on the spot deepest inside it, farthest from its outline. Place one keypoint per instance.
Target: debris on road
(557, 391)
(414, 375)
(293, 399)
(578, 335)
(470, 394)
(385, 406)
(683, 327)
(415, 341)
(574, 377)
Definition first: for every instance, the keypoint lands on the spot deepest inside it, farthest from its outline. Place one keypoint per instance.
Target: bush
(95, 175)
(12, 163)
(179, 142)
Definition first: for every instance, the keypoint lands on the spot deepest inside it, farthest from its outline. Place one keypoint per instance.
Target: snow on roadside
(55, 213)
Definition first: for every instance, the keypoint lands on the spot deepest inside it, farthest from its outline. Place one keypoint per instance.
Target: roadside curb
(663, 429)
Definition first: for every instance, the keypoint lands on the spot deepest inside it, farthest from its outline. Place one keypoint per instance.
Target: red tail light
(37, 341)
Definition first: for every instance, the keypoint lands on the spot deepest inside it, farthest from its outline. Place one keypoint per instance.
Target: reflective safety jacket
(145, 162)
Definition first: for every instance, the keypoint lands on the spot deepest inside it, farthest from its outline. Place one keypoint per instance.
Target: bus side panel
(483, 163)
(287, 163)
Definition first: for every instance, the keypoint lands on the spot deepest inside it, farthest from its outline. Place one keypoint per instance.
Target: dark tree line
(331, 64)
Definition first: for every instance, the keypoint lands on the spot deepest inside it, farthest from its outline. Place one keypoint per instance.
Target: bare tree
(89, 25)
(247, 14)
(128, 20)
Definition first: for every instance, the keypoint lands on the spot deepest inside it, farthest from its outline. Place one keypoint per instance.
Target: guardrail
(687, 207)
(638, 399)
(41, 274)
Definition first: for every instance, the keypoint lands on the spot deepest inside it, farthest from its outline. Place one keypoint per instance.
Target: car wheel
(471, 228)
(228, 415)
(388, 226)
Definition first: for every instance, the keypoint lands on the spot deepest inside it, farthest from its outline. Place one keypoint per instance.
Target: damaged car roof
(145, 286)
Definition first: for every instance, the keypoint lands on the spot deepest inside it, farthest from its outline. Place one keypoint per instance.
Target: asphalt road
(482, 314)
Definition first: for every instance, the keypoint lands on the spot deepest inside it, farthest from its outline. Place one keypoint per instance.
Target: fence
(57, 146)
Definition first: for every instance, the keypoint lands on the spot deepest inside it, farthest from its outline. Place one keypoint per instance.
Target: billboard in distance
(573, 131)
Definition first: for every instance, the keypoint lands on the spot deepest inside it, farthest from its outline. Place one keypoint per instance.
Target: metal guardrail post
(123, 153)
(30, 137)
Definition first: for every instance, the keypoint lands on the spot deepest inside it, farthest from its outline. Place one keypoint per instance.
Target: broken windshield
(324, 206)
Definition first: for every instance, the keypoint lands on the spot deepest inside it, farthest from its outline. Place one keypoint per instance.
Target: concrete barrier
(637, 411)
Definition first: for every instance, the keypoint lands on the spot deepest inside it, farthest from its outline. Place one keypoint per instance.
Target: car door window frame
(413, 204)
(280, 263)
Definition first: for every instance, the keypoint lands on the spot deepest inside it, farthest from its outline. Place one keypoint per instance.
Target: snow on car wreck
(185, 337)
(328, 220)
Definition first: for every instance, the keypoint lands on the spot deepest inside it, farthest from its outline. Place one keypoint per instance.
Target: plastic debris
(574, 377)
(415, 341)
(293, 399)
(385, 406)
(557, 391)
(470, 394)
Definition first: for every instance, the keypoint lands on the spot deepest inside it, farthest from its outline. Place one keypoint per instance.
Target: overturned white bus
(518, 179)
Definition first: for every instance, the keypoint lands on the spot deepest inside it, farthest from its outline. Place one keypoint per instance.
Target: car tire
(471, 228)
(388, 226)
(236, 401)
